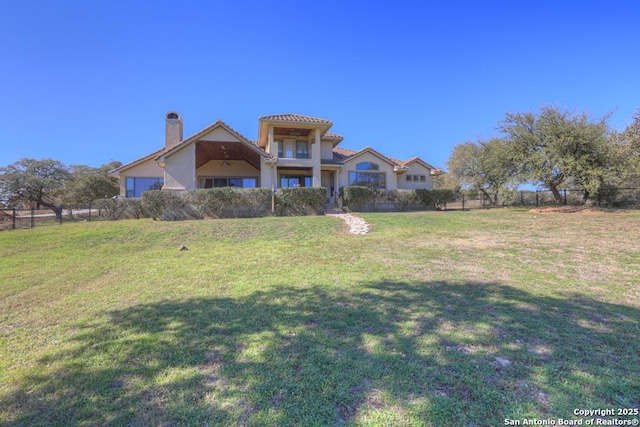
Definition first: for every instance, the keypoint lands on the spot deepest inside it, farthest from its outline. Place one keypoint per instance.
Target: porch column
(316, 155)
(271, 149)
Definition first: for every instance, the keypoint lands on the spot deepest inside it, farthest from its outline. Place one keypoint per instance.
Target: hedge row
(356, 197)
(228, 201)
(115, 209)
(300, 200)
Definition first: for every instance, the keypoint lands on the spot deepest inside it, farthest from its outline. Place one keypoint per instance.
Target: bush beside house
(358, 198)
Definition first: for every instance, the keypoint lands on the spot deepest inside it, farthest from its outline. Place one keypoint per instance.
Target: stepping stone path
(356, 224)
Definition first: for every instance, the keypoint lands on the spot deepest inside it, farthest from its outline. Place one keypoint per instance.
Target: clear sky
(85, 82)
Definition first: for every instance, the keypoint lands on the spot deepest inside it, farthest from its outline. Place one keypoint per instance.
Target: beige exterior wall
(239, 168)
(327, 150)
(415, 169)
(385, 167)
(219, 134)
(147, 169)
(267, 174)
(180, 169)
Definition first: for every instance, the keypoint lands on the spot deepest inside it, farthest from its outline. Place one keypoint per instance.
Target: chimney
(173, 129)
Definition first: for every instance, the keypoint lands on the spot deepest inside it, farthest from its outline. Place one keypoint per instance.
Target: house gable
(220, 134)
(367, 150)
(418, 160)
(417, 175)
(212, 132)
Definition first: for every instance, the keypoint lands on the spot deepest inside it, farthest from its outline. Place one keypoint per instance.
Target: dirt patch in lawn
(582, 210)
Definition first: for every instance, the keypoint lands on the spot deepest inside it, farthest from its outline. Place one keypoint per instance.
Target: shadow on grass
(388, 353)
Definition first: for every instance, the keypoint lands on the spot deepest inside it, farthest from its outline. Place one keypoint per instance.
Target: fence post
(565, 196)
(14, 218)
(33, 219)
(462, 202)
(61, 213)
(537, 199)
(521, 198)
(89, 211)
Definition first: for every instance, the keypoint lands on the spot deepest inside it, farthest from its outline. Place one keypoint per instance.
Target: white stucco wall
(415, 169)
(385, 167)
(180, 169)
(147, 169)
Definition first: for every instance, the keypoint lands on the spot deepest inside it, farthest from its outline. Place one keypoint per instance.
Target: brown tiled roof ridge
(332, 135)
(139, 159)
(290, 117)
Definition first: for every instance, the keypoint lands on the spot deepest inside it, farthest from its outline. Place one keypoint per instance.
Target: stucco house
(291, 150)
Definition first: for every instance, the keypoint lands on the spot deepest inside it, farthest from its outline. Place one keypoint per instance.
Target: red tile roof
(295, 118)
(139, 160)
(331, 135)
(341, 155)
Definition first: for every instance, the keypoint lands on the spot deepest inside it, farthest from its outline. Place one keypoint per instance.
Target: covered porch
(226, 164)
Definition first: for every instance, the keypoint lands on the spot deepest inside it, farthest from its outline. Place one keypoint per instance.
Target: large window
(293, 149)
(228, 182)
(136, 186)
(296, 181)
(368, 179)
(367, 166)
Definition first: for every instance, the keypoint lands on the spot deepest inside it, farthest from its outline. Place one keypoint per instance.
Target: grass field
(434, 318)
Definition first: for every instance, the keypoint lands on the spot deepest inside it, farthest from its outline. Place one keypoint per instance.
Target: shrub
(164, 204)
(219, 199)
(300, 200)
(152, 201)
(134, 208)
(403, 198)
(211, 201)
(355, 196)
(256, 199)
(436, 198)
(173, 207)
(112, 209)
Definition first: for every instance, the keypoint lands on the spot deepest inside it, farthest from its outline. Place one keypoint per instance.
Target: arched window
(367, 166)
(366, 174)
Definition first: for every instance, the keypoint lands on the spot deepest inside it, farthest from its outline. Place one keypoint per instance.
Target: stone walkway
(356, 224)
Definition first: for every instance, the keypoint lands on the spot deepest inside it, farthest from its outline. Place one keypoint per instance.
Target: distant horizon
(94, 82)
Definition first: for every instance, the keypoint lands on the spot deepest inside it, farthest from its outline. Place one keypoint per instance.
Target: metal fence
(11, 219)
(610, 197)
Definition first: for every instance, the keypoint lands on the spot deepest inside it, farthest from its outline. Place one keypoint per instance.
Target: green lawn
(434, 318)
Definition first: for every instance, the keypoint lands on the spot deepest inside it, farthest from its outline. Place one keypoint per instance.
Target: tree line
(50, 183)
(553, 149)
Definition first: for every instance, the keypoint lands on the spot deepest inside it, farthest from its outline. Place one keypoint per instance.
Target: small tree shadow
(433, 353)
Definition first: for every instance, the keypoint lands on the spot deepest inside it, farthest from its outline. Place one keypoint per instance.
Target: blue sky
(85, 82)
